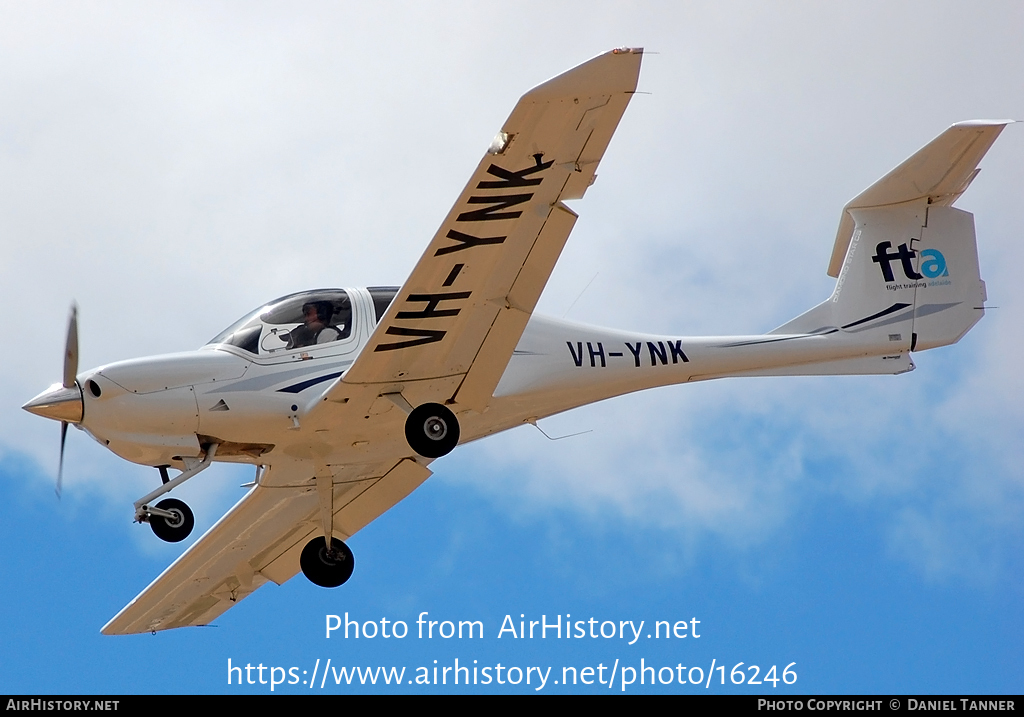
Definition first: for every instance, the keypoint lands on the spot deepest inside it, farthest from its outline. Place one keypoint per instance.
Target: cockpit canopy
(303, 320)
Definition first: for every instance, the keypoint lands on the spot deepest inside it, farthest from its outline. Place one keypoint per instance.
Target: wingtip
(617, 70)
(984, 123)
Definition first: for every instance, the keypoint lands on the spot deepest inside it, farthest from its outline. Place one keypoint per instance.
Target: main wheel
(328, 569)
(175, 529)
(432, 430)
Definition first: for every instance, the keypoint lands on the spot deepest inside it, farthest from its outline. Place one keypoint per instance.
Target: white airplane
(341, 398)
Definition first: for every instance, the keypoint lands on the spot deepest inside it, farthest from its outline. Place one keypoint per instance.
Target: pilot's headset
(324, 310)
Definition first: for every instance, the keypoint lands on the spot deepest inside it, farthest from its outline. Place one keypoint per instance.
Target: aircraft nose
(58, 403)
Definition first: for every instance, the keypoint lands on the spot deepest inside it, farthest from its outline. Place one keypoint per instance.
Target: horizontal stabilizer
(941, 171)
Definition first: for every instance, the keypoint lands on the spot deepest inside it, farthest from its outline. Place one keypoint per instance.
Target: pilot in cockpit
(316, 328)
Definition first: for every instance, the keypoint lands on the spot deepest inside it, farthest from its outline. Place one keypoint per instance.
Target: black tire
(432, 430)
(328, 570)
(173, 530)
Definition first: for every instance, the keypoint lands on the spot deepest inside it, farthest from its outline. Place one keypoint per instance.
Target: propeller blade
(60, 466)
(70, 374)
(71, 352)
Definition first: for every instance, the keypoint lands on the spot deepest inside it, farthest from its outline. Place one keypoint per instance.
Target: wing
(464, 307)
(260, 539)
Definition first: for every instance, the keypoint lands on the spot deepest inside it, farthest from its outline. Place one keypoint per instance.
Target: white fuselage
(158, 410)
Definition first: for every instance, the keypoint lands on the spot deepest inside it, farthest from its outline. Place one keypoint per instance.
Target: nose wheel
(171, 520)
(327, 568)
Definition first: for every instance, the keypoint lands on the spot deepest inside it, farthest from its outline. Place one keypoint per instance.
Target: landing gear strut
(327, 568)
(171, 519)
(432, 430)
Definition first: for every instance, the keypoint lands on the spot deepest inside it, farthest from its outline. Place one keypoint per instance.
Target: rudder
(950, 295)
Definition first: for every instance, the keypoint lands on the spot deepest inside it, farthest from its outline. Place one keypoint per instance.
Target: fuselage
(254, 393)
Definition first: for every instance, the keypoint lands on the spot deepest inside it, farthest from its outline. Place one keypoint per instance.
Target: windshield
(303, 320)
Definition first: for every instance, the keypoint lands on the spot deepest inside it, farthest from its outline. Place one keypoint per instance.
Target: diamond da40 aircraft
(341, 398)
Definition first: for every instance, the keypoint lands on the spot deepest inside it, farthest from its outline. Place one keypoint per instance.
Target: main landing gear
(171, 519)
(432, 430)
(327, 568)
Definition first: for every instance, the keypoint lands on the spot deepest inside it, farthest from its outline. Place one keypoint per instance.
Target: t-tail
(906, 260)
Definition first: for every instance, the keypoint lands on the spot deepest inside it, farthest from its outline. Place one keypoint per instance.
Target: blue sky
(166, 166)
(827, 594)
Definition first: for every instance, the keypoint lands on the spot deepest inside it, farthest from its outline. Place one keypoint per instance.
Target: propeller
(71, 349)
(70, 372)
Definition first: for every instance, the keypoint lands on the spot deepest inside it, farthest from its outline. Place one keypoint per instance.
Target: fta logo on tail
(932, 266)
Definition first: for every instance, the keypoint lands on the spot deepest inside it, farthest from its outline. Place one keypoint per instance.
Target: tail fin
(907, 270)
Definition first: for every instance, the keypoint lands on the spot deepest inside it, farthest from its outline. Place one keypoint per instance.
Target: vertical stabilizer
(906, 261)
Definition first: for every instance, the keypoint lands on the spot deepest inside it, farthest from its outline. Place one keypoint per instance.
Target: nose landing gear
(171, 520)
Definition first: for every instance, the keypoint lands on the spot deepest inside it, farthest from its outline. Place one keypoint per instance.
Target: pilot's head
(317, 312)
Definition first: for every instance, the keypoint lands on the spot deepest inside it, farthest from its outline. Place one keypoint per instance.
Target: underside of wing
(466, 303)
(260, 539)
